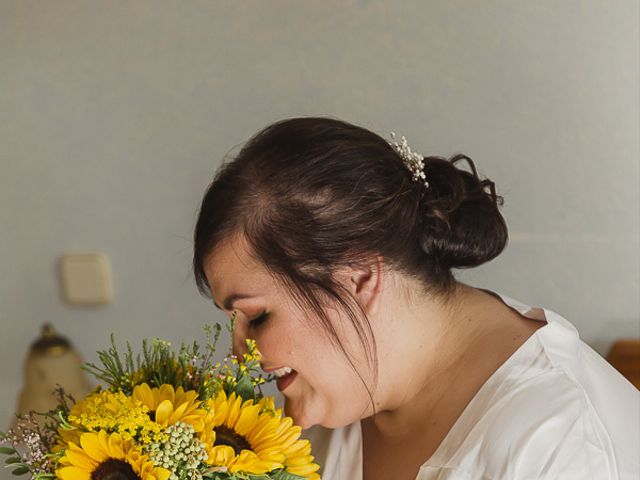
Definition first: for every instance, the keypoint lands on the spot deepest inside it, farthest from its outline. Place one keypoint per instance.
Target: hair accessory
(413, 160)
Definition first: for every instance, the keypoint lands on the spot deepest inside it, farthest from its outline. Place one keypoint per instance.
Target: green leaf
(20, 471)
(284, 475)
(222, 476)
(244, 388)
(7, 450)
(12, 460)
(42, 476)
(216, 476)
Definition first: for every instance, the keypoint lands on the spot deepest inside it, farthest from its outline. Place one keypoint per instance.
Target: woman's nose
(238, 340)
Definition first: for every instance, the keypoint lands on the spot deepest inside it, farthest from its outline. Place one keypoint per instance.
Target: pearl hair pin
(413, 160)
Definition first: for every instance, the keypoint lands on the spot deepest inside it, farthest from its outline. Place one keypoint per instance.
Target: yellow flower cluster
(237, 435)
(248, 369)
(115, 412)
(254, 354)
(111, 433)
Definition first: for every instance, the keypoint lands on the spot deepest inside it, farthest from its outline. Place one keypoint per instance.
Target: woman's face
(324, 389)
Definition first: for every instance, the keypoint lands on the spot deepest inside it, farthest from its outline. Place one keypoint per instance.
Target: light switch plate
(86, 279)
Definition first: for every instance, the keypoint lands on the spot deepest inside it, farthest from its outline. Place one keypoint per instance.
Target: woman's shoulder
(544, 427)
(555, 407)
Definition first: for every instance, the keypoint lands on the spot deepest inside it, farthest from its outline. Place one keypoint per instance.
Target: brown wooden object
(625, 357)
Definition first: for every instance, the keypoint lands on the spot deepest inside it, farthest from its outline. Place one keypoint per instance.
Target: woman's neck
(449, 351)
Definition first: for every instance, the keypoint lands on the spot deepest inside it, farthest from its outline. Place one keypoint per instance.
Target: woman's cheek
(275, 346)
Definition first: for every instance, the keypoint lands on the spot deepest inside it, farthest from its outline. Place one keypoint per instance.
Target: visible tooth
(281, 372)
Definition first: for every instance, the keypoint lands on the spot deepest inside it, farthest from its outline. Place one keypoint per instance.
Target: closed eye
(256, 322)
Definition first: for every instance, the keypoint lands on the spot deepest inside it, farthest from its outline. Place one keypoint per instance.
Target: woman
(335, 248)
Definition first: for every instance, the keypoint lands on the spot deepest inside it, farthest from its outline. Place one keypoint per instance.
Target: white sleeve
(561, 448)
(545, 430)
(570, 446)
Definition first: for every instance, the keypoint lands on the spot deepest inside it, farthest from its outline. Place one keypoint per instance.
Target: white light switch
(86, 278)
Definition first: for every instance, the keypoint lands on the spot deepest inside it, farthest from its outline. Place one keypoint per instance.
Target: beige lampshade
(51, 361)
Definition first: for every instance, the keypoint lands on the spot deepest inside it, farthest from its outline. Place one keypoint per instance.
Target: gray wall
(114, 116)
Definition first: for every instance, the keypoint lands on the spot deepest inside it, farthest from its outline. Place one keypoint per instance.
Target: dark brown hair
(313, 194)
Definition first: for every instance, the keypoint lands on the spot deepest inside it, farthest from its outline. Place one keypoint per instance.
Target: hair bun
(462, 226)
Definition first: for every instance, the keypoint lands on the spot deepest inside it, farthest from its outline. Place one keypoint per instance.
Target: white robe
(554, 410)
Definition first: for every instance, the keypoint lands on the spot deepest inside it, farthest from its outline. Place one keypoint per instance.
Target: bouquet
(164, 415)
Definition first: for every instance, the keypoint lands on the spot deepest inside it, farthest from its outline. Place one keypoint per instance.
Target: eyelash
(256, 322)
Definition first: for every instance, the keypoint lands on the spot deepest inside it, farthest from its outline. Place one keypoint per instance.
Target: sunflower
(298, 458)
(168, 405)
(64, 437)
(242, 436)
(103, 456)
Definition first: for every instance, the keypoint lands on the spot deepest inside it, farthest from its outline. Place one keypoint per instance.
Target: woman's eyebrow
(230, 300)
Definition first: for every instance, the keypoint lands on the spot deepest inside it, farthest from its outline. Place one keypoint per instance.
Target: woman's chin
(307, 416)
(301, 416)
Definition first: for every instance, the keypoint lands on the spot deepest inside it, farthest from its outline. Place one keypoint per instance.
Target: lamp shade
(51, 362)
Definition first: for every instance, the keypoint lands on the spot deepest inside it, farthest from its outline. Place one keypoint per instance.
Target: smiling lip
(284, 382)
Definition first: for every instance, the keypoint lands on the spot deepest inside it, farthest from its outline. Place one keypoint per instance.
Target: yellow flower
(167, 405)
(252, 438)
(113, 412)
(103, 456)
(299, 460)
